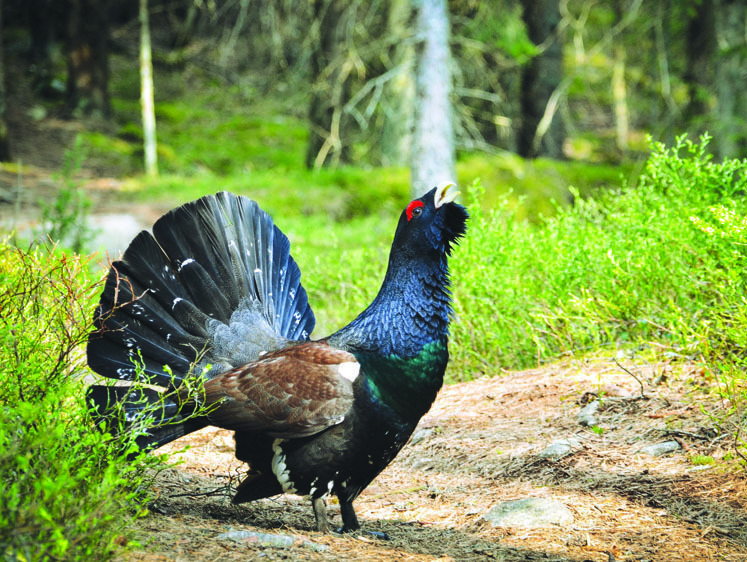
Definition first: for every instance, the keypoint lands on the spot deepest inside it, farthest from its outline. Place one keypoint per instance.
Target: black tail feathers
(157, 417)
(211, 288)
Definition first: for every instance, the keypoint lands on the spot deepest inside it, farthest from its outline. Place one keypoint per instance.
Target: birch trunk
(146, 93)
(432, 159)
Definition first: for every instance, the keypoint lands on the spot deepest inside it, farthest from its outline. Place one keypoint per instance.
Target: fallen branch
(640, 382)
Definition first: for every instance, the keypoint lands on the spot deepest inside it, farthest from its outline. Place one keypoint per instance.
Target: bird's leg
(350, 521)
(320, 513)
(349, 518)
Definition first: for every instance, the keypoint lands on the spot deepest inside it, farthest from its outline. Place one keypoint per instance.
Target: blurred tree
(730, 18)
(700, 49)
(146, 93)
(619, 90)
(4, 141)
(330, 70)
(45, 20)
(88, 58)
(489, 46)
(399, 95)
(432, 158)
(542, 132)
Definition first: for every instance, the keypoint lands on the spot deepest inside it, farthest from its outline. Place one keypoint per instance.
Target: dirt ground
(479, 446)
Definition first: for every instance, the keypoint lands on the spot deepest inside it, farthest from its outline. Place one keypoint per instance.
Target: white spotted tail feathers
(214, 284)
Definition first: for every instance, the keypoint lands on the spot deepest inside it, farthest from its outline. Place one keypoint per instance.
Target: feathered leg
(320, 514)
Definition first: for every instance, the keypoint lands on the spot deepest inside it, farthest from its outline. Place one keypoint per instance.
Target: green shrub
(663, 262)
(68, 491)
(66, 494)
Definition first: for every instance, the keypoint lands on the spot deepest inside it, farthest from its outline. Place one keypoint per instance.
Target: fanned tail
(121, 407)
(211, 288)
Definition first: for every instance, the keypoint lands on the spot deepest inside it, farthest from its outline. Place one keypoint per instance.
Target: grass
(658, 270)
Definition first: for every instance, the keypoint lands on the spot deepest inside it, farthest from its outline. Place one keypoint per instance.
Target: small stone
(420, 464)
(587, 415)
(615, 390)
(270, 540)
(529, 513)
(560, 449)
(420, 434)
(660, 449)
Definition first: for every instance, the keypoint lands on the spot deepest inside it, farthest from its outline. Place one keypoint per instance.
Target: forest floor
(479, 446)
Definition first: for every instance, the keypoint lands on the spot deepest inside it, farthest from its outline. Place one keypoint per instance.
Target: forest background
(597, 229)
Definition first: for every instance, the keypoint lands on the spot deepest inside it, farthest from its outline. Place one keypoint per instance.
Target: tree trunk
(4, 141)
(88, 58)
(619, 91)
(730, 67)
(701, 47)
(330, 90)
(541, 76)
(619, 95)
(432, 158)
(42, 17)
(146, 93)
(399, 96)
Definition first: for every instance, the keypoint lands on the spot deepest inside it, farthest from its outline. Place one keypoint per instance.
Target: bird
(204, 322)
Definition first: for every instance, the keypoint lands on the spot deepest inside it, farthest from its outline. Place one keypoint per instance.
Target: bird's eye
(414, 209)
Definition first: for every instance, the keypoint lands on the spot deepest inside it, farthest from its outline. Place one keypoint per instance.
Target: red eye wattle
(414, 209)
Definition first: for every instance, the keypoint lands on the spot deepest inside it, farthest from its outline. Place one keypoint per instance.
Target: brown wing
(293, 392)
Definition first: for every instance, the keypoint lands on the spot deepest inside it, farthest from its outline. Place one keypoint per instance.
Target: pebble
(560, 449)
(529, 513)
(587, 414)
(422, 464)
(420, 434)
(270, 539)
(660, 449)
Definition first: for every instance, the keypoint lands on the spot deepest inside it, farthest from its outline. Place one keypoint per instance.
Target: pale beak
(446, 192)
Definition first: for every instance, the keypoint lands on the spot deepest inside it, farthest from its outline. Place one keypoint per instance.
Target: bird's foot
(378, 535)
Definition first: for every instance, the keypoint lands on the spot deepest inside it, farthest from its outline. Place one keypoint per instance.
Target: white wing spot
(349, 370)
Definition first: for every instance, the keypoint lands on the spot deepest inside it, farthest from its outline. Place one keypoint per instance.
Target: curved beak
(446, 192)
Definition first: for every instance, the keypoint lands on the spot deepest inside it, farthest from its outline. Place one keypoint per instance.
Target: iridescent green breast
(408, 385)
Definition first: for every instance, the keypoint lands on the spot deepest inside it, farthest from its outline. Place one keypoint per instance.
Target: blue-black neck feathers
(401, 338)
(413, 305)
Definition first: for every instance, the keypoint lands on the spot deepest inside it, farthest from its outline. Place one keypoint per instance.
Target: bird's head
(433, 222)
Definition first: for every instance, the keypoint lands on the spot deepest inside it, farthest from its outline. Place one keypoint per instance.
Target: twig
(679, 432)
(222, 491)
(736, 445)
(554, 102)
(640, 382)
